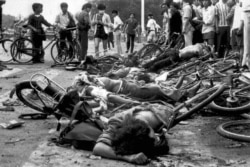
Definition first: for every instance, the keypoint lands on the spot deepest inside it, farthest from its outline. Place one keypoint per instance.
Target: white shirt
(151, 25)
(237, 17)
(208, 19)
(246, 5)
(117, 22)
(62, 20)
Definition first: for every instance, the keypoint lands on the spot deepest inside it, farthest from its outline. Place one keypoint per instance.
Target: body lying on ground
(106, 87)
(130, 135)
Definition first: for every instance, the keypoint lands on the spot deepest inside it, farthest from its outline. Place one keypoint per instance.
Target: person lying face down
(130, 135)
(169, 57)
(173, 56)
(133, 90)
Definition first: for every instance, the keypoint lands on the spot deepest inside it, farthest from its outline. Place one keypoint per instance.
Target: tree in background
(125, 7)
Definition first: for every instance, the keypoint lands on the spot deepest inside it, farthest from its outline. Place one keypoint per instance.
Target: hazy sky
(50, 7)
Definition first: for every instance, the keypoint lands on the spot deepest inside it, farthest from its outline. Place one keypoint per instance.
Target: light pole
(143, 15)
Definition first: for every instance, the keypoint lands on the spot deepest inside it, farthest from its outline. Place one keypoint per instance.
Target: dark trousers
(110, 40)
(130, 42)
(37, 42)
(66, 35)
(83, 38)
(223, 40)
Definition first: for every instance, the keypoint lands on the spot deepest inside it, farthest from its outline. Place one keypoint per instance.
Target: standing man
(117, 30)
(151, 28)
(130, 28)
(223, 29)
(101, 22)
(62, 21)
(83, 28)
(246, 18)
(187, 28)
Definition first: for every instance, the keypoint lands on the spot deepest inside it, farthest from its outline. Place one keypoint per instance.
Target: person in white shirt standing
(187, 28)
(208, 29)
(117, 30)
(246, 18)
(237, 29)
(152, 28)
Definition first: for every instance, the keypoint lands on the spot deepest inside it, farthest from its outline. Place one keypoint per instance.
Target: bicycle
(5, 52)
(61, 51)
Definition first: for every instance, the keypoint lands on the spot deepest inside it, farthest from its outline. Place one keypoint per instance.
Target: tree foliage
(125, 7)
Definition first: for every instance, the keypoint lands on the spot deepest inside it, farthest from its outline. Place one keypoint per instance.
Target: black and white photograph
(124, 83)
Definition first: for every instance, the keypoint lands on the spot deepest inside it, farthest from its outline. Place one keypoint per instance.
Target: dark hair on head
(114, 11)
(144, 77)
(132, 14)
(132, 137)
(64, 4)
(209, 2)
(175, 5)
(101, 7)
(132, 60)
(150, 14)
(35, 6)
(87, 5)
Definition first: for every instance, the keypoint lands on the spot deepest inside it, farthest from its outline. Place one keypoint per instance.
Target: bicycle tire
(221, 129)
(32, 103)
(230, 110)
(211, 93)
(18, 49)
(62, 55)
(5, 54)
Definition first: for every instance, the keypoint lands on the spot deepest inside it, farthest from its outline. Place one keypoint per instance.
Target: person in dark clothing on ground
(83, 27)
(130, 27)
(35, 22)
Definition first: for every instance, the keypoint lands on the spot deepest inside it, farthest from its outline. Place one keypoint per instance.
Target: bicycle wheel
(22, 50)
(236, 130)
(197, 102)
(238, 104)
(37, 100)
(5, 52)
(62, 51)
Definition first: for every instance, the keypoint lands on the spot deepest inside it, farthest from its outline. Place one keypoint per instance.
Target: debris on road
(12, 124)
(7, 108)
(14, 141)
(93, 157)
(12, 102)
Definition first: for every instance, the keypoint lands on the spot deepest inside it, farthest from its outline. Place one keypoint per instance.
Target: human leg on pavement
(128, 43)
(132, 37)
(118, 42)
(97, 42)
(188, 37)
(84, 45)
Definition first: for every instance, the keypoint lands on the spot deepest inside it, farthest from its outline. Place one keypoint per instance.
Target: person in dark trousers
(130, 27)
(35, 22)
(111, 40)
(62, 21)
(83, 27)
(175, 22)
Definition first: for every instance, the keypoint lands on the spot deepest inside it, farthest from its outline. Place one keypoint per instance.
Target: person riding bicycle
(147, 92)
(131, 135)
